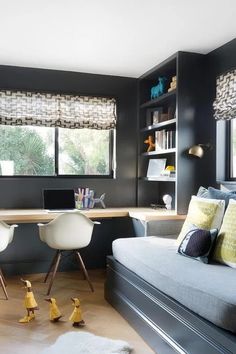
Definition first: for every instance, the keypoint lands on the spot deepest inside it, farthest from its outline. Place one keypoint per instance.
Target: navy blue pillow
(198, 244)
(218, 194)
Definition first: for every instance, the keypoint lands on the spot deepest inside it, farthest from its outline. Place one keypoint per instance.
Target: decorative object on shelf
(225, 102)
(54, 313)
(155, 166)
(159, 89)
(29, 303)
(150, 142)
(153, 115)
(173, 84)
(169, 171)
(199, 150)
(76, 316)
(167, 199)
(99, 200)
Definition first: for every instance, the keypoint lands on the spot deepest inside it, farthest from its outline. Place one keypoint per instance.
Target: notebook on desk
(59, 200)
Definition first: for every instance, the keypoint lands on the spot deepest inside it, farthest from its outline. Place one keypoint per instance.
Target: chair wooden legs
(54, 266)
(3, 284)
(51, 265)
(84, 270)
(56, 262)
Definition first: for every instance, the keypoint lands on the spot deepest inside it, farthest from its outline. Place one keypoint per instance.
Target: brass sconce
(199, 150)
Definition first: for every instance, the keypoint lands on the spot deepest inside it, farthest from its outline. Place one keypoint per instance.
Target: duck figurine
(76, 316)
(29, 303)
(54, 313)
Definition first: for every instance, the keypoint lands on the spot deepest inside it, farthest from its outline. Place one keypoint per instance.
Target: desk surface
(39, 215)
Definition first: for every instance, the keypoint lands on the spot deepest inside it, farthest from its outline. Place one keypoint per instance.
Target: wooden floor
(100, 317)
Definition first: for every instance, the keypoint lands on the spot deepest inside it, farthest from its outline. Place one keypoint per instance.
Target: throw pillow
(198, 244)
(205, 213)
(203, 192)
(218, 194)
(225, 250)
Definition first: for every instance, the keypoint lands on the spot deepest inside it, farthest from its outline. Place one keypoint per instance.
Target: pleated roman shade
(225, 102)
(56, 110)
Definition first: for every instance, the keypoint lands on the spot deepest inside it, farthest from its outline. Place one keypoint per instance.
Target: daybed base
(167, 326)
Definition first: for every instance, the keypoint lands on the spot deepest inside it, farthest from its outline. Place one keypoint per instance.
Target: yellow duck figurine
(54, 313)
(76, 316)
(29, 303)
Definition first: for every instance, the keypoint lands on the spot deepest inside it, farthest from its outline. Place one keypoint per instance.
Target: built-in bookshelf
(169, 122)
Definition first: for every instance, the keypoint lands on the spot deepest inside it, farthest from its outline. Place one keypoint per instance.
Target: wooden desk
(18, 216)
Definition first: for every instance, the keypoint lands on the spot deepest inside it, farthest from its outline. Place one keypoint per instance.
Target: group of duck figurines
(54, 313)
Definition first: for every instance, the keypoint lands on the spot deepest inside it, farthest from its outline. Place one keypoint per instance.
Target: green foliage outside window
(32, 150)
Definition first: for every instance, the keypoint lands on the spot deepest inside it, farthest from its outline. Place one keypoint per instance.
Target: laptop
(59, 200)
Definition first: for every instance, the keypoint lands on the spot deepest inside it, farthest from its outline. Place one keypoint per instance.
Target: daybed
(177, 304)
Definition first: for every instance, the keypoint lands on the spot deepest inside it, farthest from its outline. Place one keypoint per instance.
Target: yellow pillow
(204, 213)
(225, 249)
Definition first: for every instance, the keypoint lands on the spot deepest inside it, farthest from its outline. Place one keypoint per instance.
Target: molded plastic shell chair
(6, 237)
(67, 232)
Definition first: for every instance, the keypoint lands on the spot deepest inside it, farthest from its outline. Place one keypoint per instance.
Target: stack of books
(167, 173)
(164, 139)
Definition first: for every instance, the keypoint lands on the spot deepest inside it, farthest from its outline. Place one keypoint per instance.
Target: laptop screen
(58, 199)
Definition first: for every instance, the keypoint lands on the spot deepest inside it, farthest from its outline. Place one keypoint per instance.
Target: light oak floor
(100, 317)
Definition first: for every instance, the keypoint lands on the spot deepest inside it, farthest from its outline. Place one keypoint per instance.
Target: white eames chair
(6, 236)
(67, 232)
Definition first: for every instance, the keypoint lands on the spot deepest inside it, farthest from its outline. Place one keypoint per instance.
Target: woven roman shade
(54, 110)
(225, 102)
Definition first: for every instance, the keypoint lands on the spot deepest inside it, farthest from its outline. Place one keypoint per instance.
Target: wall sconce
(199, 150)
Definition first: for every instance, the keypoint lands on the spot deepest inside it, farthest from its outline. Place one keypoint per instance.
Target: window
(44, 151)
(47, 134)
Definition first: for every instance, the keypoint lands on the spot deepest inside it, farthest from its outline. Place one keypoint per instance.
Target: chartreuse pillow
(225, 249)
(204, 213)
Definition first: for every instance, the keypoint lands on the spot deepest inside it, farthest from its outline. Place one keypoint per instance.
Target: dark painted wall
(27, 253)
(26, 192)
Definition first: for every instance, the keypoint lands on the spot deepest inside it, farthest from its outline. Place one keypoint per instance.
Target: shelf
(160, 152)
(159, 179)
(160, 100)
(159, 125)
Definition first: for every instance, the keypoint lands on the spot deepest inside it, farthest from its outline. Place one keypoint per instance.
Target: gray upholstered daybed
(177, 304)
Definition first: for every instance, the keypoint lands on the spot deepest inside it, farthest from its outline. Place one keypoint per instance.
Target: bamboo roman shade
(56, 110)
(225, 102)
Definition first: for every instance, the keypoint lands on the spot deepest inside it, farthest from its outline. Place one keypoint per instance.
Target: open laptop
(59, 200)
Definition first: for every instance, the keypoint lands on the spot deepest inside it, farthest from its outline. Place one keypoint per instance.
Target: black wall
(26, 192)
(27, 253)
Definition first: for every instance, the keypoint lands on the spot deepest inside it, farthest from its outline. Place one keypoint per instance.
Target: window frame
(56, 152)
(229, 152)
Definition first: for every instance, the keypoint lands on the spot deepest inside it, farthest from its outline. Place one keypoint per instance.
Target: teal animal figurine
(158, 90)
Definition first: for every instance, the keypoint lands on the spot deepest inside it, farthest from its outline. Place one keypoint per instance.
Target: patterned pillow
(198, 244)
(204, 213)
(225, 250)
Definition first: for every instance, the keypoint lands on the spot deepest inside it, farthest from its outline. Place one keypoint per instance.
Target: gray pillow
(203, 192)
(218, 194)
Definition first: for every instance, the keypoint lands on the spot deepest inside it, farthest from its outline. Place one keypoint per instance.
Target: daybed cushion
(207, 289)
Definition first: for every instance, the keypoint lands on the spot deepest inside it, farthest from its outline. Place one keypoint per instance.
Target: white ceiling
(117, 37)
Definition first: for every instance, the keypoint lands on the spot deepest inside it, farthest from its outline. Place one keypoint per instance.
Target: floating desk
(12, 216)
